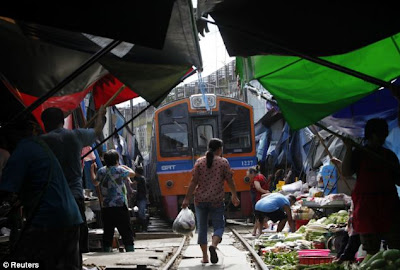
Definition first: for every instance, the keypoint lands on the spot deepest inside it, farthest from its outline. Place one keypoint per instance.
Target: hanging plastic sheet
(352, 119)
(393, 143)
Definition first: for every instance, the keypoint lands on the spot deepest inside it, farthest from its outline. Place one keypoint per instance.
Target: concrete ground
(152, 253)
(229, 256)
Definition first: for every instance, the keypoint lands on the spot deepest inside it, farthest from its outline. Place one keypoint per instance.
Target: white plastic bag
(185, 222)
(293, 187)
(89, 214)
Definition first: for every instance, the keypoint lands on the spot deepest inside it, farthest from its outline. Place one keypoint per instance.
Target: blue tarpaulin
(352, 119)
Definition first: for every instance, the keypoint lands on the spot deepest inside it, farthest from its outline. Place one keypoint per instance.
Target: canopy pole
(331, 156)
(134, 117)
(351, 72)
(305, 164)
(94, 58)
(117, 130)
(106, 105)
(362, 148)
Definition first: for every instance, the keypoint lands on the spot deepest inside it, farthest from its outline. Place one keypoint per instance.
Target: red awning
(102, 90)
(105, 88)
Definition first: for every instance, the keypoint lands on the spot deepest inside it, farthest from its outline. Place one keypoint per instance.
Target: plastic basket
(315, 259)
(314, 252)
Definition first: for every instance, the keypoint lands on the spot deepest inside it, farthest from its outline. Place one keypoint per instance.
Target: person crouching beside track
(276, 207)
(208, 176)
(258, 186)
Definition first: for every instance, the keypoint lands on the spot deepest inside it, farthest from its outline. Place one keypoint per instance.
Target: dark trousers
(372, 242)
(116, 217)
(15, 221)
(83, 229)
(350, 246)
(53, 248)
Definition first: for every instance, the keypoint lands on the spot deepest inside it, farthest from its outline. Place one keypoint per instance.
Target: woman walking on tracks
(208, 176)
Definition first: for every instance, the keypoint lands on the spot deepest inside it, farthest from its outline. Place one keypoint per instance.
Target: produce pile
(279, 250)
(303, 238)
(281, 259)
(281, 242)
(316, 230)
(385, 259)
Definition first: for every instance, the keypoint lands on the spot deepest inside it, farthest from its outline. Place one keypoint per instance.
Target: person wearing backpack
(113, 179)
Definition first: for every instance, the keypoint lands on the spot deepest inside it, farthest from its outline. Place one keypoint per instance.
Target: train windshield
(203, 130)
(236, 128)
(204, 134)
(174, 139)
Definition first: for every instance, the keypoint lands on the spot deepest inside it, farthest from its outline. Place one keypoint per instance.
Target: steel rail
(177, 253)
(257, 258)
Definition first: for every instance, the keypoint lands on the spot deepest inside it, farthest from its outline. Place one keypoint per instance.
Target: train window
(236, 128)
(204, 134)
(174, 139)
(204, 128)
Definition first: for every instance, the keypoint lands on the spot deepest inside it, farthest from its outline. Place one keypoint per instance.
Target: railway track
(238, 244)
(160, 248)
(260, 263)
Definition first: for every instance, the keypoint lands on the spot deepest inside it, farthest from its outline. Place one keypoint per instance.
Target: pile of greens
(315, 230)
(384, 259)
(337, 218)
(281, 259)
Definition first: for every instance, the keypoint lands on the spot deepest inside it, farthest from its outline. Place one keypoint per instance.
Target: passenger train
(181, 131)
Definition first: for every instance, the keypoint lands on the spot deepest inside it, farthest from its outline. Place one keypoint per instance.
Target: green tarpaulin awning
(306, 92)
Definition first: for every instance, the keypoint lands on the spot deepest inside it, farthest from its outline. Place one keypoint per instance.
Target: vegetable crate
(315, 259)
(301, 222)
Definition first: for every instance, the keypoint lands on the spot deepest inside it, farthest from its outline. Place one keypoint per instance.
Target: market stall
(305, 246)
(317, 239)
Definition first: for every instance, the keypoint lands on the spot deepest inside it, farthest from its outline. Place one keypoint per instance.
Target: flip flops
(213, 254)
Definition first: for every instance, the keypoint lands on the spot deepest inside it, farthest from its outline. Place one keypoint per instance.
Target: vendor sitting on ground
(276, 207)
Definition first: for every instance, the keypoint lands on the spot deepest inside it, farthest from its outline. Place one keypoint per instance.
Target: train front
(183, 129)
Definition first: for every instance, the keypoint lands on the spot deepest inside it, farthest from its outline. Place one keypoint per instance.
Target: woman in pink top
(208, 176)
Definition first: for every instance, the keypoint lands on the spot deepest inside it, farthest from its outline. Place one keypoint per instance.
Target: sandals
(213, 254)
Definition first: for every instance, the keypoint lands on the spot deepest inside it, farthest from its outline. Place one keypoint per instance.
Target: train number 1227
(247, 163)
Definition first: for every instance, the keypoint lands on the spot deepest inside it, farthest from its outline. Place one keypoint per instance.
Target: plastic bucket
(301, 222)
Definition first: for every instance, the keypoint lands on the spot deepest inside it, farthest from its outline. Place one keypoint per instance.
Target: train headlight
(169, 183)
(247, 179)
(197, 101)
